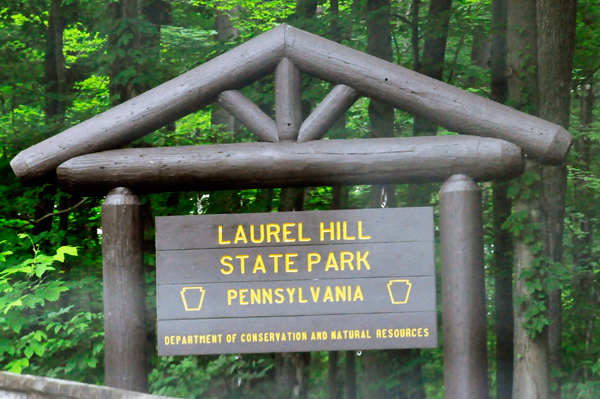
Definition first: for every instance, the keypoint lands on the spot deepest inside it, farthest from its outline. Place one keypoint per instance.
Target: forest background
(64, 61)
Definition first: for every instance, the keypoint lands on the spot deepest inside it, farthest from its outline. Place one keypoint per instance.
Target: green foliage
(51, 306)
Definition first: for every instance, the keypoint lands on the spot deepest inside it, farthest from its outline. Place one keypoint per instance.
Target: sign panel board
(296, 281)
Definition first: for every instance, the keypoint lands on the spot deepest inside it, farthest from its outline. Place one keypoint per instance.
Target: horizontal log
(288, 164)
(249, 115)
(446, 105)
(155, 108)
(327, 113)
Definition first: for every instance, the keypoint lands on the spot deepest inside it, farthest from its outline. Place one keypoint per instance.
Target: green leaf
(60, 253)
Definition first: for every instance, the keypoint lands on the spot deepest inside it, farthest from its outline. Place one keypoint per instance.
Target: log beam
(288, 100)
(443, 104)
(249, 115)
(155, 108)
(316, 163)
(327, 113)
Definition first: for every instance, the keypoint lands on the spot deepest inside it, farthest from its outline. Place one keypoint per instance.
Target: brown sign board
(297, 281)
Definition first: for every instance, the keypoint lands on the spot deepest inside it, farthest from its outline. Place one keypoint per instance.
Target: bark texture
(502, 209)
(557, 22)
(530, 376)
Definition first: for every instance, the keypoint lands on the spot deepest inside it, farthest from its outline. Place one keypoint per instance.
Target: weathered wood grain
(420, 95)
(171, 333)
(384, 259)
(298, 298)
(381, 225)
(316, 163)
(327, 113)
(249, 115)
(288, 100)
(463, 289)
(155, 108)
(124, 291)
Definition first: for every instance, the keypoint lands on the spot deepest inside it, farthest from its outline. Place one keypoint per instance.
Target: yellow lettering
(378, 334)
(340, 293)
(224, 263)
(312, 262)
(221, 241)
(290, 292)
(279, 293)
(267, 294)
(273, 231)
(240, 235)
(328, 295)
(262, 234)
(331, 262)
(242, 258)
(360, 232)
(300, 238)
(363, 259)
(255, 296)
(242, 296)
(231, 294)
(289, 262)
(315, 294)
(275, 261)
(286, 232)
(339, 230)
(346, 236)
(324, 230)
(344, 261)
(259, 265)
(358, 294)
(300, 299)
(426, 331)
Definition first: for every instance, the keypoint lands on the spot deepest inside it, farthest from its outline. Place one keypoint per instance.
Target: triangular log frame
(288, 51)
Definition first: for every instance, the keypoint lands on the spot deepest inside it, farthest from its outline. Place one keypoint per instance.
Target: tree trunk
(530, 376)
(292, 369)
(557, 22)
(123, 41)
(432, 65)
(381, 116)
(54, 103)
(502, 208)
(221, 119)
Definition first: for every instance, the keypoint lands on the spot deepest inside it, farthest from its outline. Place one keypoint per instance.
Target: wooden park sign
(296, 281)
(225, 290)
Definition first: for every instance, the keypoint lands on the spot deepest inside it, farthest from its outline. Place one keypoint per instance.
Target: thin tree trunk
(502, 208)
(292, 369)
(54, 103)
(586, 298)
(432, 65)
(124, 40)
(557, 22)
(530, 375)
(221, 119)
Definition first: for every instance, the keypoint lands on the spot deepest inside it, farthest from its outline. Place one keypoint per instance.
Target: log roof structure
(287, 52)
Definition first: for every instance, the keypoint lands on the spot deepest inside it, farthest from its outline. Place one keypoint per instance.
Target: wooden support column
(125, 359)
(288, 100)
(463, 289)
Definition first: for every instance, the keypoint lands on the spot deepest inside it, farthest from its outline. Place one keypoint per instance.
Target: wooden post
(288, 100)
(125, 359)
(463, 290)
